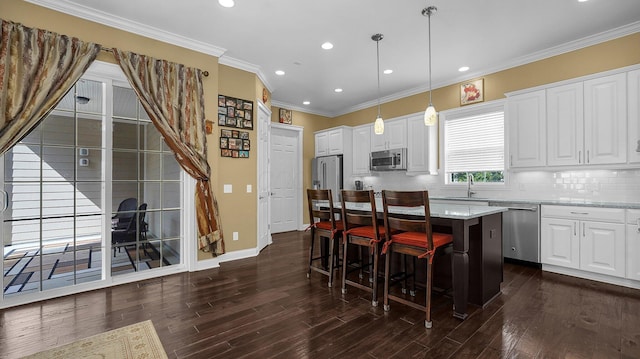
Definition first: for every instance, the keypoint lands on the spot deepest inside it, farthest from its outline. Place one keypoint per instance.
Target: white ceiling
(267, 35)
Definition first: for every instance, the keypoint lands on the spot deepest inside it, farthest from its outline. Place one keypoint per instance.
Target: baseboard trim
(227, 257)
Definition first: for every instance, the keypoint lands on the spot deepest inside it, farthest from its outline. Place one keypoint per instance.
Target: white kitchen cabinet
(587, 238)
(633, 104)
(394, 136)
(560, 243)
(361, 150)
(605, 120)
(332, 141)
(565, 125)
(422, 147)
(633, 244)
(526, 117)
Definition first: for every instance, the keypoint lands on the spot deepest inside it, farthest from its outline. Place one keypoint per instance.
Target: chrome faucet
(470, 193)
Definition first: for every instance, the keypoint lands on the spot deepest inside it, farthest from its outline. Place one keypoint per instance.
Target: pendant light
(430, 114)
(378, 126)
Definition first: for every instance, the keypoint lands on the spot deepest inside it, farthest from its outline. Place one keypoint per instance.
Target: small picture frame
(246, 145)
(244, 135)
(226, 133)
(226, 153)
(243, 154)
(224, 142)
(235, 134)
(472, 92)
(285, 116)
(222, 119)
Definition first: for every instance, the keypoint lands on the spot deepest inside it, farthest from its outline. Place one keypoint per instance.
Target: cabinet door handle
(582, 213)
(510, 160)
(575, 233)
(584, 232)
(588, 156)
(580, 157)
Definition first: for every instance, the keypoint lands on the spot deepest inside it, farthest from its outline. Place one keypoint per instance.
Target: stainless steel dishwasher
(520, 231)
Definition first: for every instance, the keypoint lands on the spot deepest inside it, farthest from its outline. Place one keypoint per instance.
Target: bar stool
(323, 224)
(361, 229)
(411, 236)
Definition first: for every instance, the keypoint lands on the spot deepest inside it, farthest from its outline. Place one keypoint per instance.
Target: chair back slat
(401, 222)
(320, 202)
(354, 217)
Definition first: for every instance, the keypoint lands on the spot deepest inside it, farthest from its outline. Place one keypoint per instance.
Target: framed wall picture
(285, 116)
(234, 143)
(235, 112)
(472, 92)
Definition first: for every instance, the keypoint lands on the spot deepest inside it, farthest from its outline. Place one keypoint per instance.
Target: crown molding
(523, 60)
(93, 15)
(288, 106)
(103, 18)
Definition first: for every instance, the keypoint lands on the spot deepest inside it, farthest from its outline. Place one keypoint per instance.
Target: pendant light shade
(378, 126)
(430, 114)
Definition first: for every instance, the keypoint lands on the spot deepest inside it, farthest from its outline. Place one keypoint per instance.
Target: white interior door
(286, 174)
(264, 210)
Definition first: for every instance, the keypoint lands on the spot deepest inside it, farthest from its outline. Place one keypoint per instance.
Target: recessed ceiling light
(226, 3)
(306, 103)
(583, 0)
(279, 72)
(387, 71)
(463, 68)
(338, 90)
(327, 46)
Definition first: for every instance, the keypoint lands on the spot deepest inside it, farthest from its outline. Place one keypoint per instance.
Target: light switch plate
(235, 236)
(228, 188)
(249, 189)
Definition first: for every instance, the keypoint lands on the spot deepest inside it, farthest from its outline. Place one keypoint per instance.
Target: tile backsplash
(579, 185)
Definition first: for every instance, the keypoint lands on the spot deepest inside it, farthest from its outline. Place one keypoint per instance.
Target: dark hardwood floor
(266, 307)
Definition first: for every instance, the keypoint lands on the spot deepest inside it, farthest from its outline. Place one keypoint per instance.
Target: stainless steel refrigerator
(326, 173)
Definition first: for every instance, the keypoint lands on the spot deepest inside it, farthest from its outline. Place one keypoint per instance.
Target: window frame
(467, 111)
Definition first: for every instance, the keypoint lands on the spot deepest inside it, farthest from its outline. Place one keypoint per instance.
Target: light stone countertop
(556, 202)
(438, 210)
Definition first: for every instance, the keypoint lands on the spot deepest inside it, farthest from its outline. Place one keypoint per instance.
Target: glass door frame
(110, 75)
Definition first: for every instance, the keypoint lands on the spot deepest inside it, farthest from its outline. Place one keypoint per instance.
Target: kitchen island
(477, 248)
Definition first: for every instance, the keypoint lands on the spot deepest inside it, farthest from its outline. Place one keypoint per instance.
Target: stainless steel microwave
(389, 160)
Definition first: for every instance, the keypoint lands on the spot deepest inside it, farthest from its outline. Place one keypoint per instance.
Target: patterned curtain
(37, 68)
(173, 97)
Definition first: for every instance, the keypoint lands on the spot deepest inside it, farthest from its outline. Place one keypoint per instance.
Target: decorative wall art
(235, 144)
(472, 92)
(285, 116)
(235, 112)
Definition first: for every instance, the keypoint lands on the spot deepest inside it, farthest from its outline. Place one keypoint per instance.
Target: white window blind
(474, 143)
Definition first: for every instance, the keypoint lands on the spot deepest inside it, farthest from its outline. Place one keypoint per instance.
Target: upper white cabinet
(633, 104)
(586, 238)
(633, 244)
(565, 125)
(605, 120)
(526, 118)
(333, 141)
(394, 136)
(361, 149)
(422, 146)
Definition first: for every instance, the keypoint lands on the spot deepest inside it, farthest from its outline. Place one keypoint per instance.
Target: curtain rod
(106, 49)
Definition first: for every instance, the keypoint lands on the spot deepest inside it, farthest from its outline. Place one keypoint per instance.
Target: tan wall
(610, 55)
(238, 209)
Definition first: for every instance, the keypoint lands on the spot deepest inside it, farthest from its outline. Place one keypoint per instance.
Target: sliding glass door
(91, 193)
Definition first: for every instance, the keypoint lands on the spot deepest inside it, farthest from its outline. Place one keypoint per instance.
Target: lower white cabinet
(585, 238)
(633, 244)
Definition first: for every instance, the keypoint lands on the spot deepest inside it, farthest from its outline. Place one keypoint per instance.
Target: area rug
(135, 341)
